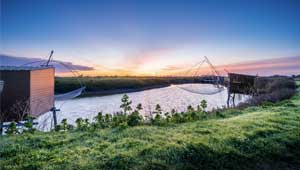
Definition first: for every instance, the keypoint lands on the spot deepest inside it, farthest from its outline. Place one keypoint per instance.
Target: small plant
(177, 118)
(107, 120)
(199, 108)
(29, 125)
(126, 104)
(173, 111)
(64, 124)
(190, 108)
(167, 116)
(86, 124)
(79, 123)
(139, 107)
(158, 110)
(134, 118)
(158, 115)
(12, 129)
(100, 121)
(203, 104)
(57, 128)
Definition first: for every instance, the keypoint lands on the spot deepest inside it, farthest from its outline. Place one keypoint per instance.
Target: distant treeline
(113, 84)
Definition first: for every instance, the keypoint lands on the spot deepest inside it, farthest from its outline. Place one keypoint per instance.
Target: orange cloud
(282, 66)
(285, 66)
(144, 57)
(147, 64)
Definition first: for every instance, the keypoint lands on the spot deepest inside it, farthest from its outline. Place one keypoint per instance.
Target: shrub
(100, 121)
(64, 124)
(271, 89)
(126, 104)
(177, 118)
(12, 129)
(118, 118)
(134, 118)
(107, 119)
(158, 115)
(29, 125)
(79, 123)
(167, 116)
(57, 128)
(203, 105)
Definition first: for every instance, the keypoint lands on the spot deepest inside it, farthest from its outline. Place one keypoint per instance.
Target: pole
(49, 59)
(54, 110)
(1, 127)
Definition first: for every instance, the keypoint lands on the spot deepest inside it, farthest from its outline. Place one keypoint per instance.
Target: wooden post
(233, 102)
(1, 128)
(54, 110)
(228, 99)
(228, 91)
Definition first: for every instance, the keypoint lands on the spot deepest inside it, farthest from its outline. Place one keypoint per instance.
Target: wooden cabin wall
(16, 89)
(41, 91)
(242, 84)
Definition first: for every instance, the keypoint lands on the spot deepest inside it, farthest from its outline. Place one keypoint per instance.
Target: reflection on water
(169, 98)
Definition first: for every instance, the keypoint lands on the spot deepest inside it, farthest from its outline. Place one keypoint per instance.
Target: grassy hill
(264, 137)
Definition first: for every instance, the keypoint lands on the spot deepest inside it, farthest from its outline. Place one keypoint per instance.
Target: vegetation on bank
(258, 137)
(66, 84)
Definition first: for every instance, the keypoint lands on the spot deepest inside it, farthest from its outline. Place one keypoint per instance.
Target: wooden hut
(241, 84)
(26, 91)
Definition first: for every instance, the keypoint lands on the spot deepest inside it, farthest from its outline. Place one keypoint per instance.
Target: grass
(262, 137)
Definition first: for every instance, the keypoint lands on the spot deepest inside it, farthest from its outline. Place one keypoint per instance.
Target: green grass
(264, 137)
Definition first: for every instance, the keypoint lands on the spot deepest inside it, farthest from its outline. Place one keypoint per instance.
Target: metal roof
(22, 68)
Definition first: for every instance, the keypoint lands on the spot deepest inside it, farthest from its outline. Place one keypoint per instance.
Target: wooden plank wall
(41, 91)
(242, 84)
(16, 89)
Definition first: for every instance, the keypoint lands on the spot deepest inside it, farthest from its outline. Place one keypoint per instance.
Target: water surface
(169, 98)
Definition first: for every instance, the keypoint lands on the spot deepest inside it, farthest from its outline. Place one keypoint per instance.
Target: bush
(79, 124)
(134, 118)
(100, 121)
(118, 118)
(158, 115)
(126, 104)
(271, 89)
(29, 125)
(12, 129)
(203, 104)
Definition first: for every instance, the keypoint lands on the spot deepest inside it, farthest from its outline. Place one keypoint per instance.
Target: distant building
(26, 90)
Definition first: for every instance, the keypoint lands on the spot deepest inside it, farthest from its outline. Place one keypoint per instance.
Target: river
(171, 97)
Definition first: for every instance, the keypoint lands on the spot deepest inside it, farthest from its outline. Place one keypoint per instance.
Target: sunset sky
(154, 37)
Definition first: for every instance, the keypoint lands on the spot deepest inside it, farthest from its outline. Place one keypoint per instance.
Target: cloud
(143, 57)
(282, 66)
(268, 67)
(60, 66)
(172, 68)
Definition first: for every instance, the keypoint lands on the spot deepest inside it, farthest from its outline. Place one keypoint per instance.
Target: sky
(142, 37)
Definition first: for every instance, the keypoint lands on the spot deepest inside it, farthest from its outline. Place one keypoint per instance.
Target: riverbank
(120, 91)
(100, 86)
(258, 137)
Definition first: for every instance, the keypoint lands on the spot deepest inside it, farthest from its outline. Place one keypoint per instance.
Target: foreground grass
(266, 137)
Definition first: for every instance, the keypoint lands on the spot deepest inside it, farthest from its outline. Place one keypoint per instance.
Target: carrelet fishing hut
(29, 90)
(26, 91)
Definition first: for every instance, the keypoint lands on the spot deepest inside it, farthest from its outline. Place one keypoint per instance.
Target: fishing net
(206, 89)
(69, 95)
(208, 75)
